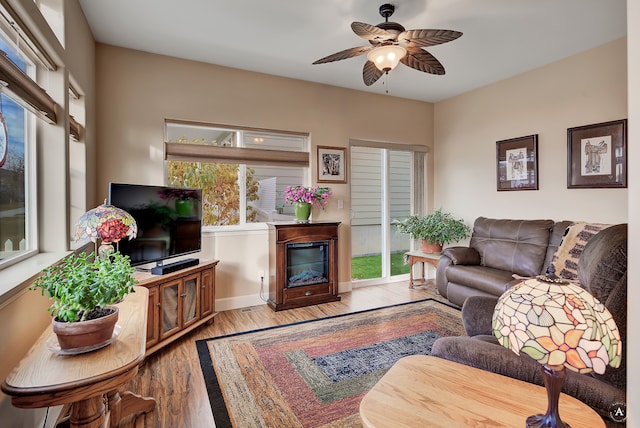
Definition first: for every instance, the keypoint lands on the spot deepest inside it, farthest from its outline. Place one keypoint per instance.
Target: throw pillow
(576, 236)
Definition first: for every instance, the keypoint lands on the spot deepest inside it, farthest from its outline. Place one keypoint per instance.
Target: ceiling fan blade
(347, 53)
(371, 32)
(425, 38)
(370, 73)
(422, 60)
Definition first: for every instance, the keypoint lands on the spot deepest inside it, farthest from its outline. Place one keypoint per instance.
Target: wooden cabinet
(303, 264)
(178, 302)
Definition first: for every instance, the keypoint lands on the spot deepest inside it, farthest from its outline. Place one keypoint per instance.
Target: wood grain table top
(420, 391)
(43, 371)
(419, 254)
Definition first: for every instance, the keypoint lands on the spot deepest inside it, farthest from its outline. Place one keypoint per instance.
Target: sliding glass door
(381, 194)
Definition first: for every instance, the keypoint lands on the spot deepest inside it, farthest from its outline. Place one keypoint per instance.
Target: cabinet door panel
(207, 297)
(153, 317)
(169, 295)
(190, 295)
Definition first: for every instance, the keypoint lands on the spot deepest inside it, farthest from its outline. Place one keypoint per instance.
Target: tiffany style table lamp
(106, 224)
(560, 325)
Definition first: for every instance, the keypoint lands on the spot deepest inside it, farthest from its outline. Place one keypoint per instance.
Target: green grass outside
(371, 266)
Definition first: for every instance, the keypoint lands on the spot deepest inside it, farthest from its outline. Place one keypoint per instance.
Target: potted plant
(83, 288)
(304, 197)
(435, 230)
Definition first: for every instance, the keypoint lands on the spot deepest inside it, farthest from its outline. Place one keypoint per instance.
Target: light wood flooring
(173, 377)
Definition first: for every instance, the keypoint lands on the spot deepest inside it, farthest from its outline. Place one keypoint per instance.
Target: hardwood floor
(173, 377)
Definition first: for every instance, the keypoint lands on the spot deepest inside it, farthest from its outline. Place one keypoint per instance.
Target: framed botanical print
(597, 155)
(332, 164)
(517, 163)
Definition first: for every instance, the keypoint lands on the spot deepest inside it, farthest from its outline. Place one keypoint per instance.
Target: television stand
(163, 269)
(178, 302)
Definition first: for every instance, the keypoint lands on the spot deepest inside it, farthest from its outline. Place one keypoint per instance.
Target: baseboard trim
(239, 302)
(229, 303)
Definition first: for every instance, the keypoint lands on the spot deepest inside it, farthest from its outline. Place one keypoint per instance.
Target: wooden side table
(421, 391)
(419, 256)
(90, 383)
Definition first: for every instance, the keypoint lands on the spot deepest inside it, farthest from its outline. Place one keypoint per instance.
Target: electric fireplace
(307, 263)
(303, 264)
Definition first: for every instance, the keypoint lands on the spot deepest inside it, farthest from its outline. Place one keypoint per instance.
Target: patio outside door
(381, 193)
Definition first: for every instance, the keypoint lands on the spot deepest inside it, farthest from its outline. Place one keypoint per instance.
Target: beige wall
(138, 91)
(580, 90)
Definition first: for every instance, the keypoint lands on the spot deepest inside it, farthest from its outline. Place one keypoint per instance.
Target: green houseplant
(438, 228)
(83, 287)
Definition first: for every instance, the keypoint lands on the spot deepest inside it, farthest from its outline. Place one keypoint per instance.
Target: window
(77, 161)
(18, 236)
(53, 13)
(243, 172)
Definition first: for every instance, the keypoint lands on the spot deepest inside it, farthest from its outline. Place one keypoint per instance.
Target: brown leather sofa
(602, 270)
(498, 249)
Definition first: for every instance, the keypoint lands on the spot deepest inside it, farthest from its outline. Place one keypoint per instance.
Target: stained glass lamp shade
(106, 225)
(560, 325)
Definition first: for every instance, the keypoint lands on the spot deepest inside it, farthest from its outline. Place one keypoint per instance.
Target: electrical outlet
(260, 274)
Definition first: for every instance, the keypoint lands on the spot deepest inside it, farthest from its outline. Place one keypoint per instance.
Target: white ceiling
(501, 38)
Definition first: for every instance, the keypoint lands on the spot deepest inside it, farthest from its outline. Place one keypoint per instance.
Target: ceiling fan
(391, 44)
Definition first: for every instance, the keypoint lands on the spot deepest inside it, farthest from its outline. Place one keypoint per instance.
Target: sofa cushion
(603, 262)
(515, 246)
(576, 236)
(491, 281)
(462, 255)
(602, 270)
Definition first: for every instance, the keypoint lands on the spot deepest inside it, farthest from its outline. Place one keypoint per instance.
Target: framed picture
(332, 164)
(597, 155)
(517, 163)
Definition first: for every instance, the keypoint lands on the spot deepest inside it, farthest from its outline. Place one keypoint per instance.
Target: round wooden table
(421, 391)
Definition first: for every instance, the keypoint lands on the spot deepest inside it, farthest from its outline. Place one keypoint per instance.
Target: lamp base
(553, 377)
(545, 421)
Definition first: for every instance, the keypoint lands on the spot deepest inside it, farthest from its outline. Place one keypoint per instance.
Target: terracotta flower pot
(431, 248)
(86, 335)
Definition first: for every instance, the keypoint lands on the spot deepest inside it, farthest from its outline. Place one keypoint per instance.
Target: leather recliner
(602, 270)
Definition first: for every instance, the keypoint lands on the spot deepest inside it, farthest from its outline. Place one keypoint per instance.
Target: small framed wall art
(517, 163)
(332, 164)
(597, 155)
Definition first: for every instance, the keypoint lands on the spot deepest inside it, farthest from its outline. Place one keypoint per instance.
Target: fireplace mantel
(303, 264)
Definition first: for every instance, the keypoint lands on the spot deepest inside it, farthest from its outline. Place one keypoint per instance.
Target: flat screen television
(169, 221)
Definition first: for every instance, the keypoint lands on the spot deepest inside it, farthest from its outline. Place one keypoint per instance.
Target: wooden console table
(421, 391)
(90, 383)
(419, 256)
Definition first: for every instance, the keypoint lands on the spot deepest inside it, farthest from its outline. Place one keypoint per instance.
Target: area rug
(315, 373)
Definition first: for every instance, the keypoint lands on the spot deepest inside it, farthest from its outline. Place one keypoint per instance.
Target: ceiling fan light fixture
(387, 57)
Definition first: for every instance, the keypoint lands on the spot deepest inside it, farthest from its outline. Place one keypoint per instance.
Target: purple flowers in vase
(316, 195)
